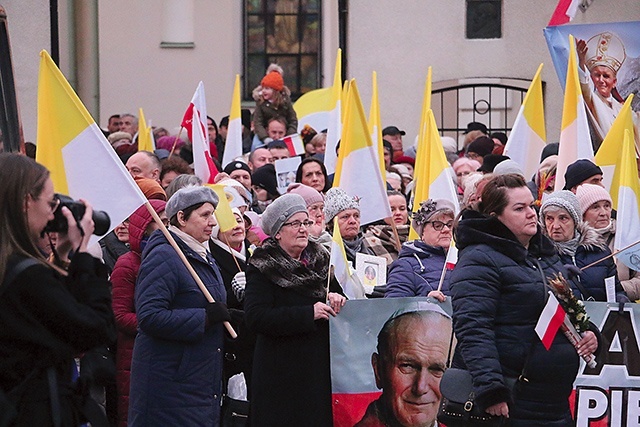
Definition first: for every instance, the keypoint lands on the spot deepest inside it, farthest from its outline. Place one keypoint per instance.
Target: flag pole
(395, 234)
(444, 270)
(232, 255)
(329, 279)
(193, 273)
(609, 256)
(175, 141)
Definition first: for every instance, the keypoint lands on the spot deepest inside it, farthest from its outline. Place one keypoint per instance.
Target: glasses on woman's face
(297, 224)
(439, 225)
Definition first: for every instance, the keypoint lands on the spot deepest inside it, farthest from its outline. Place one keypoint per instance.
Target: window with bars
(286, 32)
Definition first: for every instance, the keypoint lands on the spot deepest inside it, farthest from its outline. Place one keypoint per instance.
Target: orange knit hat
(273, 80)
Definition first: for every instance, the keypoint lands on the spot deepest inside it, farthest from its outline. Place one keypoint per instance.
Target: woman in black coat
(498, 294)
(48, 313)
(286, 304)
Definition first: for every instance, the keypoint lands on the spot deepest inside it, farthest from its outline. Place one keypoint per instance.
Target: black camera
(101, 219)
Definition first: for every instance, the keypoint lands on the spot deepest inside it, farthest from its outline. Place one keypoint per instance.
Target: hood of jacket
(476, 228)
(420, 249)
(138, 222)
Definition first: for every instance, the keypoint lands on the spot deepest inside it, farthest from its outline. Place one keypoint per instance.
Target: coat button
(215, 396)
(219, 350)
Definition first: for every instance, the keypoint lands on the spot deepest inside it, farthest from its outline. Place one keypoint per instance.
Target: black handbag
(457, 406)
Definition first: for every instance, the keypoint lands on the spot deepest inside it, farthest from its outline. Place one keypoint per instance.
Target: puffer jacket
(498, 294)
(417, 271)
(123, 279)
(592, 248)
(176, 369)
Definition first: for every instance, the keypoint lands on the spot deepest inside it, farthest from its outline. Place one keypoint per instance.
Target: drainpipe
(87, 66)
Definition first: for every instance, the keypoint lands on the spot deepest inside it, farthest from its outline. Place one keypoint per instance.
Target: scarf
(235, 253)
(357, 245)
(308, 276)
(570, 246)
(190, 241)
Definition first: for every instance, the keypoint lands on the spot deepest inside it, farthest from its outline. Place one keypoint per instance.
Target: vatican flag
(233, 146)
(349, 281)
(334, 130)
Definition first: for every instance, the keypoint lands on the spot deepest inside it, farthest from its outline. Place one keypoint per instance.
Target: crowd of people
(269, 278)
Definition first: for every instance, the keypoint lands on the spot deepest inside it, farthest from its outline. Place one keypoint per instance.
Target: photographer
(47, 314)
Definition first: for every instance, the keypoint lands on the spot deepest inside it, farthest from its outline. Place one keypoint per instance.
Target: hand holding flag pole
(193, 273)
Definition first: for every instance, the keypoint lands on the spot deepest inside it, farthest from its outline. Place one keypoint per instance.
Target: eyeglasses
(297, 224)
(439, 225)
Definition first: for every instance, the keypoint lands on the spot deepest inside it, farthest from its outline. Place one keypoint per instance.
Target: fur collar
(588, 238)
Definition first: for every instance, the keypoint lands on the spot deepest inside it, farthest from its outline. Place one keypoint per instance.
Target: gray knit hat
(337, 200)
(280, 210)
(189, 196)
(428, 209)
(508, 166)
(563, 199)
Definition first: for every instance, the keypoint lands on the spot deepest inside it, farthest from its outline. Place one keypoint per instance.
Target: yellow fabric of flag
(224, 214)
(375, 128)
(145, 138)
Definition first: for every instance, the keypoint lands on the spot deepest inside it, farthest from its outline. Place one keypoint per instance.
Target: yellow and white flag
(627, 203)
(145, 136)
(349, 281)
(609, 152)
(375, 128)
(358, 171)
(233, 145)
(334, 129)
(528, 135)
(313, 108)
(74, 149)
(575, 140)
(224, 214)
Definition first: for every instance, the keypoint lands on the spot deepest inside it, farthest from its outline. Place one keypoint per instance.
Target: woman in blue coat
(418, 269)
(579, 244)
(498, 293)
(176, 371)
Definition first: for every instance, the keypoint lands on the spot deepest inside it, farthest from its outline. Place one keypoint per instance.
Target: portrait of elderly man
(599, 61)
(408, 364)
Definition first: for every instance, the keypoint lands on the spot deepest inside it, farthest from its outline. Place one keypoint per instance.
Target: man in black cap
(394, 136)
(582, 171)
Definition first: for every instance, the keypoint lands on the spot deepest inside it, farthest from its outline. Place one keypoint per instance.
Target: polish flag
(565, 12)
(452, 256)
(550, 321)
(294, 144)
(195, 122)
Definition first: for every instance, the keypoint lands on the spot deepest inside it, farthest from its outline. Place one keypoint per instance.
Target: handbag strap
(448, 365)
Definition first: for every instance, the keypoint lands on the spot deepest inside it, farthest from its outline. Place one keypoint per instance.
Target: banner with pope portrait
(608, 66)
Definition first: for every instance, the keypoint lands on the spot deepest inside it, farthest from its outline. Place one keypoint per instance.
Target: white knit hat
(337, 200)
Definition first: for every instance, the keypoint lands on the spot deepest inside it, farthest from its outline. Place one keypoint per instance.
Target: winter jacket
(46, 320)
(382, 241)
(291, 375)
(590, 283)
(417, 271)
(176, 370)
(123, 280)
(265, 111)
(629, 279)
(498, 294)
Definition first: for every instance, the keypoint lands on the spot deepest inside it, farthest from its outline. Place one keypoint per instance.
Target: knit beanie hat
(428, 209)
(279, 211)
(166, 142)
(579, 171)
(310, 195)
(265, 177)
(563, 199)
(449, 144)
(117, 136)
(490, 161)
(337, 200)
(588, 194)
(273, 80)
(189, 196)
(508, 166)
(481, 146)
(151, 188)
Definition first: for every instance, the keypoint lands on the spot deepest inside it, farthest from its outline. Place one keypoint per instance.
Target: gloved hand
(572, 271)
(238, 284)
(217, 312)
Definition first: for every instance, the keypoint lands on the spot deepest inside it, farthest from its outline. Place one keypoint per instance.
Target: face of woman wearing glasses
(437, 232)
(40, 210)
(293, 236)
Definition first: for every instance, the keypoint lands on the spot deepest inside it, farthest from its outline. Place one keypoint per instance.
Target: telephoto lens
(101, 219)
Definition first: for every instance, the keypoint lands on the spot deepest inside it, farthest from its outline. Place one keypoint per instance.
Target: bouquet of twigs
(576, 322)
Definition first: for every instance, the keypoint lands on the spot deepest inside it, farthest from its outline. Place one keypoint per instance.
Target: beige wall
(401, 39)
(398, 39)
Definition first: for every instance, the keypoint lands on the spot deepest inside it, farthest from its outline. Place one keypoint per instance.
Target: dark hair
(494, 195)
(322, 168)
(224, 121)
(20, 177)
(114, 116)
(174, 164)
(186, 214)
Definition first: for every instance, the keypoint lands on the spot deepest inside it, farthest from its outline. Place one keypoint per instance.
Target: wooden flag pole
(175, 142)
(609, 256)
(186, 263)
(232, 255)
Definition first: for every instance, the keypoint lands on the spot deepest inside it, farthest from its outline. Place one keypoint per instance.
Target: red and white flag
(564, 13)
(294, 144)
(550, 321)
(195, 122)
(452, 256)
